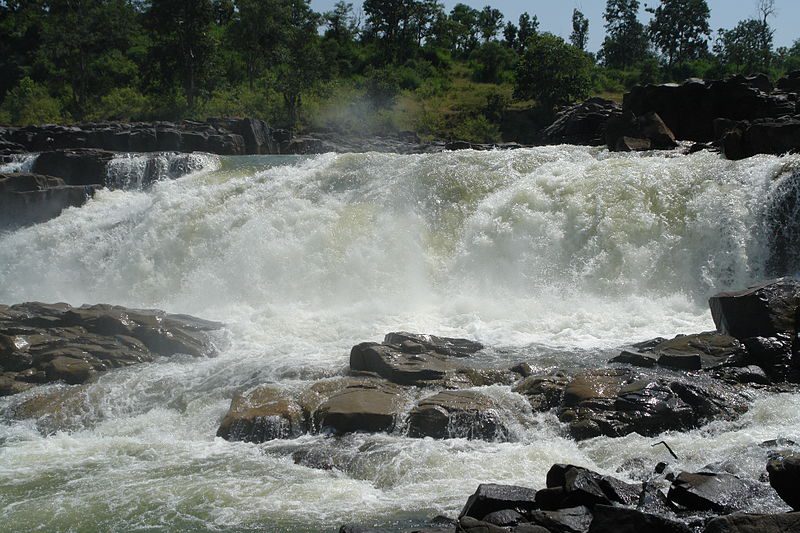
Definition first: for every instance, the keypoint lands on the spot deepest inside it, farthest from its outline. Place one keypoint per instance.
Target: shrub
(30, 103)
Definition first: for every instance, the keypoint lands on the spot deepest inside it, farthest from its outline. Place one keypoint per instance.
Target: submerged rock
(262, 414)
(42, 343)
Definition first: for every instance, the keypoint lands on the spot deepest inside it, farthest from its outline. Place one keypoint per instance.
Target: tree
(766, 9)
(493, 61)
(528, 27)
(29, 103)
(257, 30)
(552, 72)
(182, 41)
(626, 41)
(465, 27)
(680, 29)
(580, 30)
(489, 22)
(510, 32)
(741, 48)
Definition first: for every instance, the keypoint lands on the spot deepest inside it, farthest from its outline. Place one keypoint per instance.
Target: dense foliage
(384, 66)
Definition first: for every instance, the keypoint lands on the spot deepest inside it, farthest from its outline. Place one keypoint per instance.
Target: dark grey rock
(784, 476)
(490, 498)
(755, 523)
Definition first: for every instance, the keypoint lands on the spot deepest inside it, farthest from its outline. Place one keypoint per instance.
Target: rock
(572, 520)
(582, 124)
(784, 476)
(648, 407)
(543, 392)
(686, 352)
(69, 370)
(776, 136)
(751, 374)
(75, 167)
(467, 524)
(367, 405)
(790, 83)
(442, 345)
(506, 517)
(457, 414)
(632, 144)
(490, 498)
(57, 342)
(689, 109)
(392, 363)
(574, 486)
(31, 198)
(764, 310)
(706, 491)
(608, 519)
(755, 523)
(260, 415)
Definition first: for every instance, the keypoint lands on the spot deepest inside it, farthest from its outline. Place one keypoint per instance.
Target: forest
(380, 67)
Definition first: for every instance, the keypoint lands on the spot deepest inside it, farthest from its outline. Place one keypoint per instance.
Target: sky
(555, 16)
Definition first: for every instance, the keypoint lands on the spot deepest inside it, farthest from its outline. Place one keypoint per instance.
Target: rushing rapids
(554, 256)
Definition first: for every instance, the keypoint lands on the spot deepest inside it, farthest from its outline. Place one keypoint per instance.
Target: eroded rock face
(764, 310)
(32, 198)
(583, 124)
(490, 498)
(42, 343)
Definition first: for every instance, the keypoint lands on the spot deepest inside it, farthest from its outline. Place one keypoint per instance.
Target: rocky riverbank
(426, 386)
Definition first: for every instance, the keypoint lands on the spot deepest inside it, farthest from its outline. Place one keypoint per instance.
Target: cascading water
(18, 163)
(554, 256)
(135, 171)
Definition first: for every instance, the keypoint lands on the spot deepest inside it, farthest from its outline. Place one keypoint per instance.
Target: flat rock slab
(685, 352)
(491, 498)
(366, 405)
(42, 343)
(457, 414)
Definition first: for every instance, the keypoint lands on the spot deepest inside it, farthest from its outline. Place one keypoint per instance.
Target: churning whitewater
(554, 256)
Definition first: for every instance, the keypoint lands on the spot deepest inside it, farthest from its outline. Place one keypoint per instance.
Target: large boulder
(776, 136)
(627, 133)
(262, 414)
(75, 167)
(784, 476)
(362, 405)
(609, 519)
(490, 498)
(573, 486)
(764, 310)
(457, 414)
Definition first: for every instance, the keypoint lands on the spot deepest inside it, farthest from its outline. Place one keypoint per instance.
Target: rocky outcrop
(30, 198)
(689, 109)
(262, 414)
(43, 343)
(75, 167)
(767, 136)
(365, 405)
(764, 310)
(583, 123)
(755, 523)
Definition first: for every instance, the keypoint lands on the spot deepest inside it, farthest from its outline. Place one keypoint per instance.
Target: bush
(552, 72)
(30, 103)
(124, 103)
(477, 129)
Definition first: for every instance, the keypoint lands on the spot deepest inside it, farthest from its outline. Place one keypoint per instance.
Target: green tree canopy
(580, 30)
(552, 72)
(626, 41)
(680, 30)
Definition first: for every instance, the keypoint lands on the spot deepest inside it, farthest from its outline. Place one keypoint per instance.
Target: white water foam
(553, 255)
(18, 163)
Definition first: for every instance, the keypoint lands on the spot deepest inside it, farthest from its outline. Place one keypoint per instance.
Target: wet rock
(443, 345)
(75, 167)
(751, 374)
(632, 144)
(62, 408)
(685, 352)
(628, 133)
(543, 392)
(769, 136)
(706, 491)
(755, 523)
(764, 310)
(457, 414)
(574, 486)
(399, 367)
(262, 414)
(572, 520)
(31, 198)
(504, 518)
(366, 405)
(490, 498)
(56, 342)
(608, 519)
(784, 476)
(467, 524)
